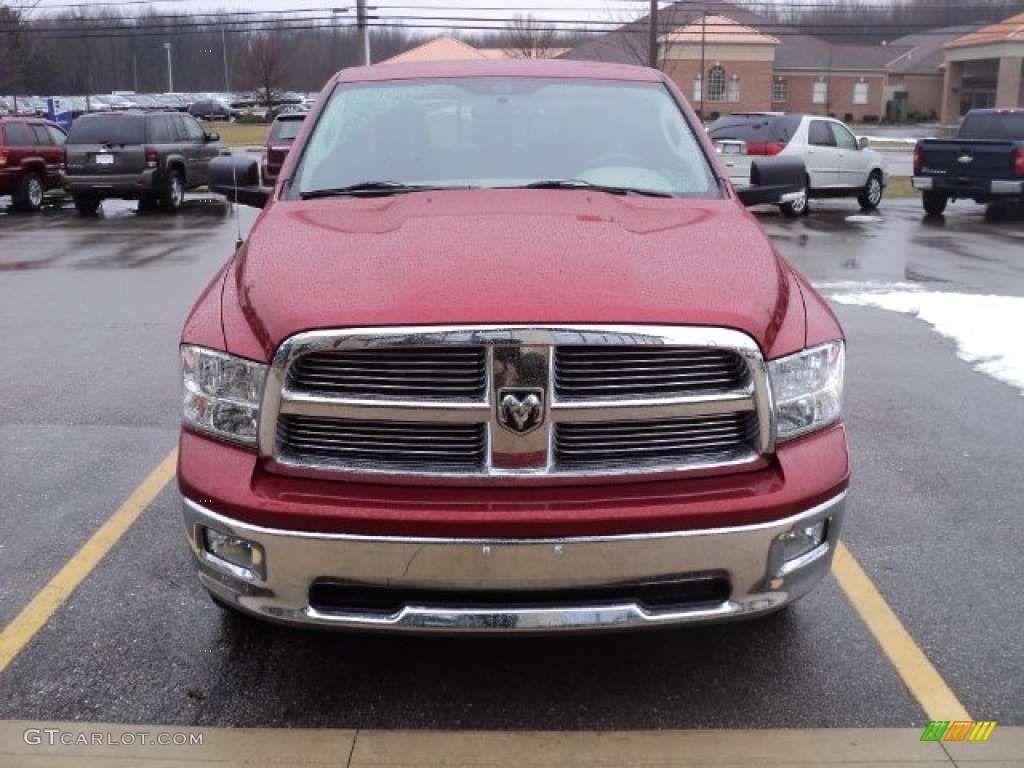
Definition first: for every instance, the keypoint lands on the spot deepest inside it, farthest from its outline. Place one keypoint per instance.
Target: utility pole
(652, 36)
(364, 32)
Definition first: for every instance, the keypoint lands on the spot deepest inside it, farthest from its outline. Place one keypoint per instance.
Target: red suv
(279, 141)
(31, 159)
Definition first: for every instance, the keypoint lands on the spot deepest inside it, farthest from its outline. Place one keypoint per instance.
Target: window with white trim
(780, 90)
(820, 93)
(860, 93)
(734, 89)
(698, 84)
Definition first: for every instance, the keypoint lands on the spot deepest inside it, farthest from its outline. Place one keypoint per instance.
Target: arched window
(716, 83)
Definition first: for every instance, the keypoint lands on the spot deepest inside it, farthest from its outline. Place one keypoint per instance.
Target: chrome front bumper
(289, 563)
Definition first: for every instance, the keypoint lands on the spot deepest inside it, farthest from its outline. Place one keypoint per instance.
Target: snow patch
(986, 329)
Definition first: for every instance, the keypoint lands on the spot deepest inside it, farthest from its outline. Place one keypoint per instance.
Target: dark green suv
(152, 157)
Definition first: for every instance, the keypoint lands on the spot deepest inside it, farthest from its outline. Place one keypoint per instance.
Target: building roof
(716, 29)
(1012, 29)
(924, 53)
(439, 49)
(447, 48)
(794, 51)
(514, 53)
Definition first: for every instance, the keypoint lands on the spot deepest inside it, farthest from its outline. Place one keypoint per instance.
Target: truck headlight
(222, 393)
(807, 389)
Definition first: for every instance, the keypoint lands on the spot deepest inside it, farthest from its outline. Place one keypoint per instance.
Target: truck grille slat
(444, 373)
(586, 372)
(665, 439)
(385, 444)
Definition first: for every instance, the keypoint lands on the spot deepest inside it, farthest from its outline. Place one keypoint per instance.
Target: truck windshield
(502, 132)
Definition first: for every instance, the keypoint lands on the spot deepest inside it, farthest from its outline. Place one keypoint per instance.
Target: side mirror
(238, 179)
(863, 142)
(774, 180)
(212, 137)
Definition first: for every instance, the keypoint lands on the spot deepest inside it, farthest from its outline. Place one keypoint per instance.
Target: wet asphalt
(90, 313)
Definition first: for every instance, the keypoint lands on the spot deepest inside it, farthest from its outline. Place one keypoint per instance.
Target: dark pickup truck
(984, 162)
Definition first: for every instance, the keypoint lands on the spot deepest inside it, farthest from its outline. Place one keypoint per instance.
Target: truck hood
(502, 256)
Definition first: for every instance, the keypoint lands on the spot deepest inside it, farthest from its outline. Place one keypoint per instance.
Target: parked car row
(219, 104)
(152, 157)
(155, 156)
(838, 163)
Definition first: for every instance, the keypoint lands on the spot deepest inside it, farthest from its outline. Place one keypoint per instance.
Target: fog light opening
(238, 553)
(803, 539)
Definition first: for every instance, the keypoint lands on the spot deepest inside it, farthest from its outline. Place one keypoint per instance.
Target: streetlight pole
(170, 73)
(224, 51)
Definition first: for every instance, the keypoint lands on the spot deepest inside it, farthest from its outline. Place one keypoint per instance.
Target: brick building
(728, 59)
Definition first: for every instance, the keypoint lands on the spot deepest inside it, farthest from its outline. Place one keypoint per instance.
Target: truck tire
(173, 191)
(147, 202)
(871, 195)
(29, 195)
(86, 203)
(934, 203)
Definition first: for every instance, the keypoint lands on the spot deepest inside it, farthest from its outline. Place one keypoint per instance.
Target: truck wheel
(29, 196)
(871, 195)
(86, 203)
(796, 208)
(147, 203)
(934, 203)
(173, 192)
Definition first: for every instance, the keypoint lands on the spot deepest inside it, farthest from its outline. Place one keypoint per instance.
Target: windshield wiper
(583, 184)
(366, 188)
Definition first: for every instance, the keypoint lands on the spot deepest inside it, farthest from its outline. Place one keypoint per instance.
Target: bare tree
(530, 38)
(633, 38)
(265, 64)
(15, 49)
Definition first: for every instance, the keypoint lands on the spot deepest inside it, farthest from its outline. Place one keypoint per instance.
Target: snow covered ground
(987, 329)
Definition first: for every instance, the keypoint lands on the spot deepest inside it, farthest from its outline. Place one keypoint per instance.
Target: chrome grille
(644, 442)
(471, 404)
(382, 444)
(417, 372)
(583, 372)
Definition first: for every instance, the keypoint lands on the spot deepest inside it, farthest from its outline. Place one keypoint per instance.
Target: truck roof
(590, 70)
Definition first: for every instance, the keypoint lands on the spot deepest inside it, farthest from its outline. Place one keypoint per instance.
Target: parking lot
(91, 310)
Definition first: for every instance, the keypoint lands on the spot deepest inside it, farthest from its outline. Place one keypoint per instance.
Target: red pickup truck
(504, 352)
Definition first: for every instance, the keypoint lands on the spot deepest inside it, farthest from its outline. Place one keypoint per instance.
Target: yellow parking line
(34, 616)
(924, 681)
